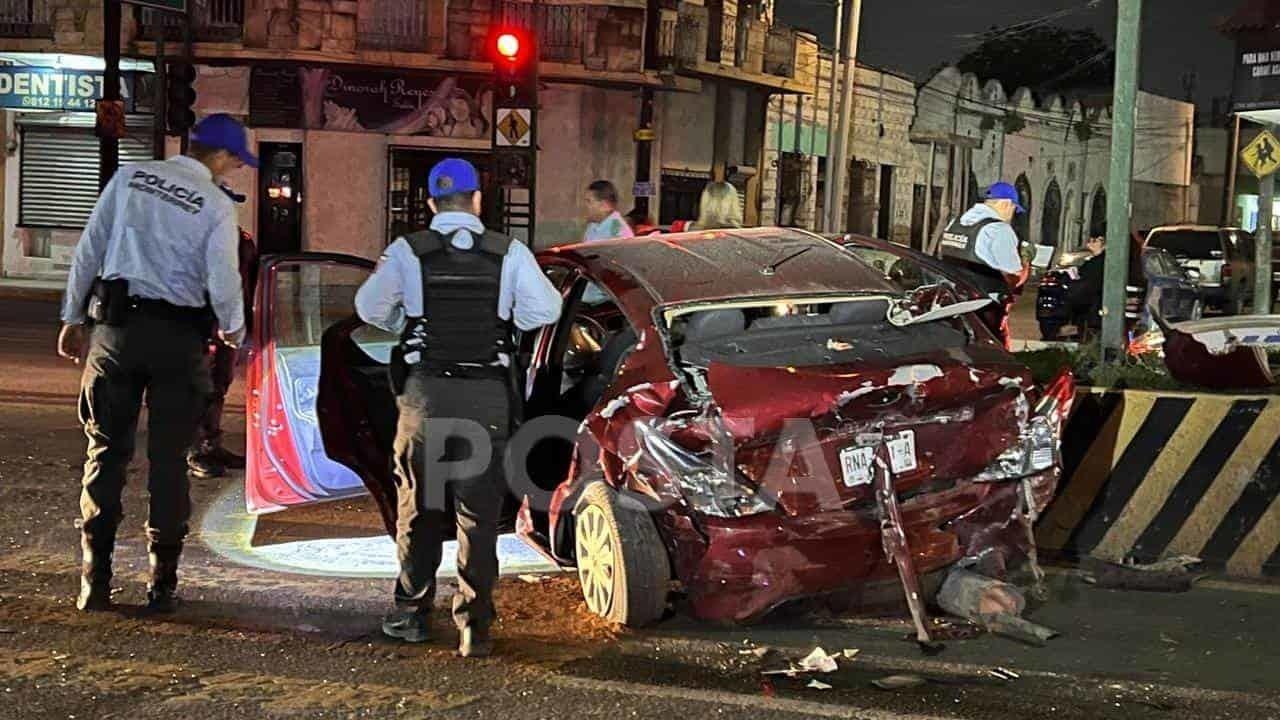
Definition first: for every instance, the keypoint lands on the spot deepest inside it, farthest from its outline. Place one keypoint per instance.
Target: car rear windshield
(1188, 244)
(800, 332)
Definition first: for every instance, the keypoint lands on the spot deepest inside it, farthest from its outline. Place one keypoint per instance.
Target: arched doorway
(1022, 222)
(1098, 212)
(1050, 225)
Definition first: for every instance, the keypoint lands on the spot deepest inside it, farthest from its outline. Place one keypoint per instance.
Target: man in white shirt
(156, 264)
(452, 293)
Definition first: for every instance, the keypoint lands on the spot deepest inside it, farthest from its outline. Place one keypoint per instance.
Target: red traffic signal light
(508, 46)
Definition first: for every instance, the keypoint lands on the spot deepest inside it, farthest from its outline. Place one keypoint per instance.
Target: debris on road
(1170, 575)
(531, 579)
(1004, 673)
(818, 661)
(818, 685)
(759, 652)
(850, 653)
(898, 682)
(995, 605)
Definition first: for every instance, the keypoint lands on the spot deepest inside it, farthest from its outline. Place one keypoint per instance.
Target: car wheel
(1050, 331)
(622, 562)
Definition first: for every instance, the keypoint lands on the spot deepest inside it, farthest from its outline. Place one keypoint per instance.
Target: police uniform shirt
(167, 229)
(394, 291)
(997, 244)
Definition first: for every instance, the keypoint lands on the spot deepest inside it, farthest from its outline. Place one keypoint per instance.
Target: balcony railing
(560, 29)
(681, 38)
(24, 19)
(212, 21)
(780, 52)
(393, 25)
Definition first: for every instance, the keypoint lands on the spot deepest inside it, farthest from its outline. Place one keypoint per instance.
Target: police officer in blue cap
(453, 294)
(983, 244)
(154, 269)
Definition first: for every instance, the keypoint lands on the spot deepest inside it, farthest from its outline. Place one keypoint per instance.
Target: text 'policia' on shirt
(186, 198)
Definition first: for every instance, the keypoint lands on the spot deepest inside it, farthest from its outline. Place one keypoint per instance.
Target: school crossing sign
(1262, 156)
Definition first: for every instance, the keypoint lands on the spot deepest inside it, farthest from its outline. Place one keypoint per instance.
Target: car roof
(1197, 228)
(722, 264)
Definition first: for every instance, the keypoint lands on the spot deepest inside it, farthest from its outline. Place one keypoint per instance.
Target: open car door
(297, 298)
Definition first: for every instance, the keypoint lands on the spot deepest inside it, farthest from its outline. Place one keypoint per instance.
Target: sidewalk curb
(23, 292)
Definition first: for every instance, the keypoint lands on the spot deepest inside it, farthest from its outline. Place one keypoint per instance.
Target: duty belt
(199, 317)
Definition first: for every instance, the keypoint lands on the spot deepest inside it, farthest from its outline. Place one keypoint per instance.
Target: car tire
(622, 561)
(1050, 331)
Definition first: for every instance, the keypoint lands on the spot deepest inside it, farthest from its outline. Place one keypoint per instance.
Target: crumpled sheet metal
(1223, 353)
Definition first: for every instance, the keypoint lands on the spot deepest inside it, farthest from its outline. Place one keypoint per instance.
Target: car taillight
(1226, 271)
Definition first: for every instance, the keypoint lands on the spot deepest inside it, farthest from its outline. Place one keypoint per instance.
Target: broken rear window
(1188, 244)
(814, 331)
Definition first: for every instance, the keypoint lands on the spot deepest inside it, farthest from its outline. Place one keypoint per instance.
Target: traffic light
(180, 97)
(514, 60)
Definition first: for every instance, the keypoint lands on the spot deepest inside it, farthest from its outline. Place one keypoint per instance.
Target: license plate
(857, 463)
(902, 452)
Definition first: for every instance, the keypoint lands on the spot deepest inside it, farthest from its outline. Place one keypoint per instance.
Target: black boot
(410, 625)
(95, 578)
(162, 589)
(475, 642)
(228, 459)
(204, 465)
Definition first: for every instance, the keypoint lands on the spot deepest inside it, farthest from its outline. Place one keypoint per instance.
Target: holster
(108, 301)
(398, 370)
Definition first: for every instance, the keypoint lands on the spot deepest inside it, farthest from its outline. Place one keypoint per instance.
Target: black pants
(443, 425)
(162, 358)
(222, 372)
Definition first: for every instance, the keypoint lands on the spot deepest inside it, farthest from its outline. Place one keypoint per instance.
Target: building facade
(349, 103)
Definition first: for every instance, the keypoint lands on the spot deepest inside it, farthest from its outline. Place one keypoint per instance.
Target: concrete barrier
(1148, 475)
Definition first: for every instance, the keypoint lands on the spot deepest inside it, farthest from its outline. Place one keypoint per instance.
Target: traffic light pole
(533, 126)
(1119, 208)
(108, 143)
(187, 55)
(158, 139)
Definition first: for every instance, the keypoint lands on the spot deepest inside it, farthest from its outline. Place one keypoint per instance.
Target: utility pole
(1119, 206)
(108, 142)
(841, 164)
(1263, 245)
(824, 222)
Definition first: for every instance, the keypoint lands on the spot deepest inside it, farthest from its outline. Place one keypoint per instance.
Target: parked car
(725, 419)
(1223, 258)
(1156, 282)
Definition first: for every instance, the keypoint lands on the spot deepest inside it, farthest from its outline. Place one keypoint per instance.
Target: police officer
(983, 244)
(155, 266)
(452, 293)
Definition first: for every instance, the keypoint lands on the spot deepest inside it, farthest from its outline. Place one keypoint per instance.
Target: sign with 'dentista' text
(46, 88)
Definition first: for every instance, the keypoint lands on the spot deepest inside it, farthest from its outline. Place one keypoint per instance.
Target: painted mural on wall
(378, 101)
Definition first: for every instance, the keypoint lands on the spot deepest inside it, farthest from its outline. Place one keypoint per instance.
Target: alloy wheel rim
(596, 561)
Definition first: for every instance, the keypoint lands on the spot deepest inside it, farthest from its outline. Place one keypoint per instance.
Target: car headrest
(714, 323)
(858, 312)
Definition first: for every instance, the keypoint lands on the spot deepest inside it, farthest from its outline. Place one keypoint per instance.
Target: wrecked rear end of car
(819, 444)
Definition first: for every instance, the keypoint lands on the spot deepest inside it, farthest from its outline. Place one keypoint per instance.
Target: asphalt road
(253, 642)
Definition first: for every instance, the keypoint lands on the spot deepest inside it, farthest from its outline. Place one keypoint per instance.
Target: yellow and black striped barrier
(1148, 475)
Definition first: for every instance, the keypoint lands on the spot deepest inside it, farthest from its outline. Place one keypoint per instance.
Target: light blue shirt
(613, 226)
(394, 291)
(997, 244)
(167, 229)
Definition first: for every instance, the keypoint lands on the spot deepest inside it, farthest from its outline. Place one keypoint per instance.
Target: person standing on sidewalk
(452, 293)
(208, 458)
(154, 269)
(604, 222)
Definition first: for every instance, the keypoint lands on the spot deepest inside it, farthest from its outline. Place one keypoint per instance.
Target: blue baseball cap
(1005, 191)
(223, 132)
(452, 176)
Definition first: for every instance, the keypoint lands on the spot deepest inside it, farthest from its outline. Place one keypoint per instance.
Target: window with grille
(58, 173)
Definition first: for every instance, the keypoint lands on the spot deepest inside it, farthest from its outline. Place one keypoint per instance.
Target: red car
(757, 415)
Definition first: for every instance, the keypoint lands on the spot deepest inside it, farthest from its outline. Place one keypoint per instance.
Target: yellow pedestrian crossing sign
(513, 127)
(1262, 156)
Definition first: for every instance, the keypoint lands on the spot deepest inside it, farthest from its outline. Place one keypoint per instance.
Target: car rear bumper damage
(749, 566)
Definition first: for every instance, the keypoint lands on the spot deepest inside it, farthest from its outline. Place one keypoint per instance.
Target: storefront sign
(1257, 84)
(46, 88)
(356, 100)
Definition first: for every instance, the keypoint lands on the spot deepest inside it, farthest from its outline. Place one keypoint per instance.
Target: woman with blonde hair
(719, 208)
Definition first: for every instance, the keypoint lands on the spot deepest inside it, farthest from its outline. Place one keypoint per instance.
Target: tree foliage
(1044, 59)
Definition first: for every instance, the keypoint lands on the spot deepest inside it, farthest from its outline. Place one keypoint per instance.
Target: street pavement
(254, 640)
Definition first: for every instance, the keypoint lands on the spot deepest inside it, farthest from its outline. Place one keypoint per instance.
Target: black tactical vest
(460, 298)
(959, 248)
